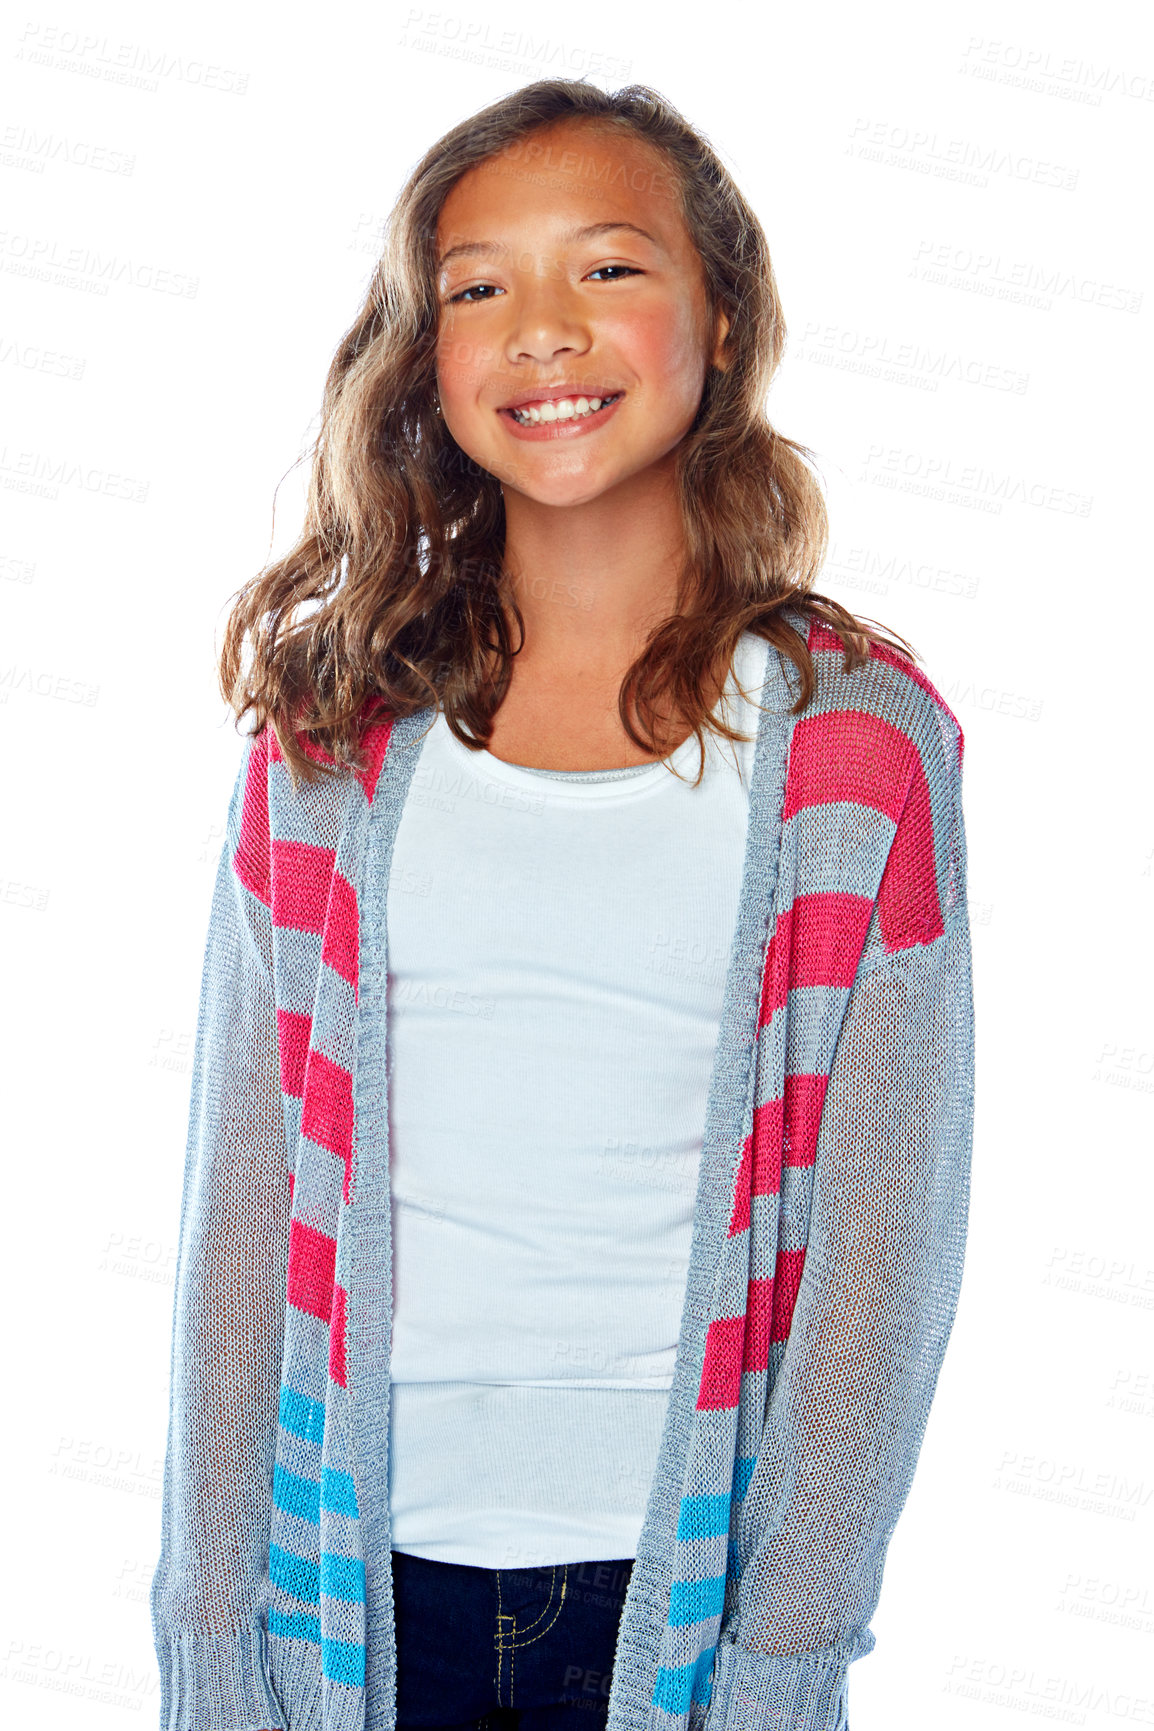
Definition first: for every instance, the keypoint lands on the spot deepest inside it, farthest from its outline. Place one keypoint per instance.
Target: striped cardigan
(827, 1249)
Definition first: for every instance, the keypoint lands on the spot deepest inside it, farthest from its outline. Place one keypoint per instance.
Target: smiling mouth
(545, 414)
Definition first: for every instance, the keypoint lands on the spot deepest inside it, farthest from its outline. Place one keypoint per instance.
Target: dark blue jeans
(483, 1648)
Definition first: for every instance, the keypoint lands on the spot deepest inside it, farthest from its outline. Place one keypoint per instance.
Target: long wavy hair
(392, 598)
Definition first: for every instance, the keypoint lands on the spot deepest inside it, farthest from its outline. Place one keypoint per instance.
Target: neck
(593, 580)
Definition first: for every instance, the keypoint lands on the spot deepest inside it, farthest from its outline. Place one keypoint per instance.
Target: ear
(720, 360)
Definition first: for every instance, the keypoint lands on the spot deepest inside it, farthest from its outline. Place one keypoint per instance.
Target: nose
(545, 322)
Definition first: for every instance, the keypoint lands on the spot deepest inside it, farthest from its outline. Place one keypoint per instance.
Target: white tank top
(558, 944)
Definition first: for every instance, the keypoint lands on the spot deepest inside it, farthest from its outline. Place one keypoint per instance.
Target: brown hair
(391, 598)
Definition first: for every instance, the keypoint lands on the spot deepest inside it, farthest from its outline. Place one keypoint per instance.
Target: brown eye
(460, 295)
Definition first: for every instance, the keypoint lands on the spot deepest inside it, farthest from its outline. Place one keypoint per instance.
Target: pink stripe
(250, 862)
(759, 1324)
(896, 659)
(739, 1214)
(302, 876)
(312, 1262)
(775, 982)
(909, 911)
(828, 933)
(337, 1365)
(787, 1279)
(847, 754)
(293, 1033)
(759, 1169)
(817, 941)
(822, 638)
(721, 1371)
(375, 739)
(340, 946)
(373, 735)
(804, 1099)
(327, 1111)
(767, 1142)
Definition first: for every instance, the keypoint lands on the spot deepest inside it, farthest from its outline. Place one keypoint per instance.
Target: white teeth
(563, 409)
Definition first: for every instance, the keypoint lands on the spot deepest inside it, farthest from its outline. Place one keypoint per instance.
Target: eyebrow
(482, 248)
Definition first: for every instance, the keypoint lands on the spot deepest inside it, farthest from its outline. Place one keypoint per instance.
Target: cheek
(463, 363)
(665, 350)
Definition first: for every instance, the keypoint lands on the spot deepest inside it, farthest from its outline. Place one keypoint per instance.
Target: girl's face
(567, 265)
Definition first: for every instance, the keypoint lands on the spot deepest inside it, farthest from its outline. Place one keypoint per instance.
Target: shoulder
(881, 726)
(248, 826)
(277, 825)
(883, 738)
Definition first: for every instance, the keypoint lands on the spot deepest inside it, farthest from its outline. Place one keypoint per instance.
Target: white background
(956, 202)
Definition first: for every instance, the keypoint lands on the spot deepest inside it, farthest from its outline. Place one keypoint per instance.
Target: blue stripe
(677, 1689)
(297, 1576)
(295, 1626)
(344, 1662)
(336, 1577)
(703, 1517)
(341, 1661)
(703, 1680)
(338, 1493)
(296, 1496)
(301, 1416)
(305, 1498)
(694, 1601)
(742, 1473)
(342, 1577)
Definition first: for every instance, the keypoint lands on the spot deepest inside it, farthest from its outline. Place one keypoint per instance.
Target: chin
(562, 494)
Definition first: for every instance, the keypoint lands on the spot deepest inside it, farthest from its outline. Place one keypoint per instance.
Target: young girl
(577, 1176)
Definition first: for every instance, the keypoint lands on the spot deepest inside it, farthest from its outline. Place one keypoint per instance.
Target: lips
(525, 424)
(556, 394)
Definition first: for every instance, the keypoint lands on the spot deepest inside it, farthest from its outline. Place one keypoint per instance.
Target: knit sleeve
(873, 1313)
(209, 1592)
